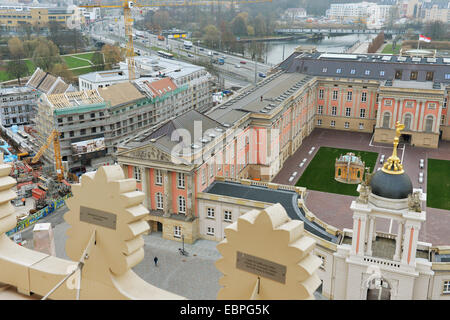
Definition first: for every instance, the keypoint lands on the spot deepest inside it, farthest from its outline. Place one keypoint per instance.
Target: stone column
(416, 117)
(144, 179)
(394, 116)
(422, 112)
(189, 185)
(167, 197)
(399, 115)
(438, 120)
(359, 228)
(411, 232)
(379, 112)
(398, 241)
(370, 238)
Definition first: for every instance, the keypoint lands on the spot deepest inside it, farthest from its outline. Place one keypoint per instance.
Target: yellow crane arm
(44, 147)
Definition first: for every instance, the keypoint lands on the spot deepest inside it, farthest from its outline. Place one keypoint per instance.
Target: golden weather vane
(393, 164)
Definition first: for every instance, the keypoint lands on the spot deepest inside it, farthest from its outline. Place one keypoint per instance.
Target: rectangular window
(320, 110)
(362, 113)
(210, 231)
(364, 97)
(324, 70)
(447, 76)
(319, 122)
(361, 126)
(210, 213)
(398, 74)
(333, 111)
(430, 76)
(409, 104)
(71, 134)
(446, 288)
(211, 170)
(320, 93)
(445, 103)
(347, 125)
(348, 112)
(158, 177)
(159, 201)
(382, 73)
(353, 71)
(227, 216)
(413, 75)
(82, 132)
(322, 258)
(203, 175)
(177, 232)
(180, 180)
(137, 173)
(81, 117)
(432, 106)
(388, 102)
(333, 123)
(443, 119)
(349, 95)
(335, 95)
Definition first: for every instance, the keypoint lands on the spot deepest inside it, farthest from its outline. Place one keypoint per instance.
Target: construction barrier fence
(33, 218)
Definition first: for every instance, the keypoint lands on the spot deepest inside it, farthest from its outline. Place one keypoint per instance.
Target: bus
(187, 45)
(22, 134)
(165, 54)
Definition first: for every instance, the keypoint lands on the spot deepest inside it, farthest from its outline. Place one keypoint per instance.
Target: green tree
(97, 60)
(437, 30)
(16, 69)
(16, 49)
(250, 31)
(238, 26)
(61, 70)
(260, 25)
(46, 55)
(211, 36)
(113, 55)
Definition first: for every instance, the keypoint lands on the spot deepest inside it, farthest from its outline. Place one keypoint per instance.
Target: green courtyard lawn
(438, 184)
(388, 49)
(87, 56)
(73, 62)
(319, 175)
(79, 72)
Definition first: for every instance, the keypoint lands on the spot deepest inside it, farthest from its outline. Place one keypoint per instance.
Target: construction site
(38, 185)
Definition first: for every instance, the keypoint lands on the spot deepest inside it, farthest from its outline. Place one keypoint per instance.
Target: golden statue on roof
(393, 164)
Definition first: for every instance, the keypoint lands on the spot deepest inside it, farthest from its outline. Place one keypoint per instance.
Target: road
(236, 69)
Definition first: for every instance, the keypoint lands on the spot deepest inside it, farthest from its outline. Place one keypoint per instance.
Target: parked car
(382, 159)
(243, 62)
(190, 55)
(237, 66)
(262, 75)
(201, 49)
(216, 53)
(421, 164)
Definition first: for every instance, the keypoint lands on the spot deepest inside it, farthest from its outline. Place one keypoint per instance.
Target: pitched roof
(160, 87)
(120, 93)
(47, 83)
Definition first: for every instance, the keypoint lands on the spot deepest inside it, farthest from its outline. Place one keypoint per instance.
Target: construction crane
(128, 21)
(53, 137)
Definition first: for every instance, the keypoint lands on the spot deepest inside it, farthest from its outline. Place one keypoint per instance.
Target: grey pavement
(194, 277)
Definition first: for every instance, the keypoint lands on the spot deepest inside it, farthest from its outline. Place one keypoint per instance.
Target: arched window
(407, 122)
(386, 120)
(159, 200)
(429, 123)
(181, 204)
(339, 172)
(359, 174)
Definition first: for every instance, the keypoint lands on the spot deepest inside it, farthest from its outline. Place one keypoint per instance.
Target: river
(333, 44)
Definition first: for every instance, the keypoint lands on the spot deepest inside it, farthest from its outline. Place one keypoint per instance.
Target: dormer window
(353, 71)
(430, 76)
(338, 70)
(398, 74)
(324, 70)
(413, 75)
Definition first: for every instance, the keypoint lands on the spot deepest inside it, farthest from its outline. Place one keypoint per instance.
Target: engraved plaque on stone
(98, 217)
(261, 267)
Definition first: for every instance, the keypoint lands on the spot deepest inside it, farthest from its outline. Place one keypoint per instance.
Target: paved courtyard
(335, 209)
(194, 276)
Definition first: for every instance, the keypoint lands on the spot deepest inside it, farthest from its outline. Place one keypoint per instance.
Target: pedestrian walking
(23, 201)
(156, 261)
